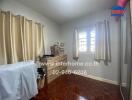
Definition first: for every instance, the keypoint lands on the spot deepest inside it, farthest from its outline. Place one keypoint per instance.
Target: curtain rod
(90, 25)
(20, 15)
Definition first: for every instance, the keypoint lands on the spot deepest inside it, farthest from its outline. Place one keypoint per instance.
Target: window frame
(88, 41)
(94, 37)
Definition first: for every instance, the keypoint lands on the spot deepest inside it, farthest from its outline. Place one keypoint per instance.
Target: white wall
(52, 34)
(51, 29)
(110, 72)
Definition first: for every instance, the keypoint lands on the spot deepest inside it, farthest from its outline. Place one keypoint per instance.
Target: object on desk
(57, 49)
(54, 50)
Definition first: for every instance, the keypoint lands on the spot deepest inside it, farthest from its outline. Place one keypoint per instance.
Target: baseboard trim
(100, 79)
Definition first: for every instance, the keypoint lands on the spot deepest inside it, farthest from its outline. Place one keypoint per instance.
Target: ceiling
(62, 11)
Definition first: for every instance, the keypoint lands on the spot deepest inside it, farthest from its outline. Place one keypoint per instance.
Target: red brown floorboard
(74, 87)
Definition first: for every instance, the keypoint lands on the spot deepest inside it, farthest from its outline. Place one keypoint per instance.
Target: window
(83, 42)
(87, 41)
(92, 41)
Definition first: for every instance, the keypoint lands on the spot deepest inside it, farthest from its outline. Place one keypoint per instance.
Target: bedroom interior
(65, 50)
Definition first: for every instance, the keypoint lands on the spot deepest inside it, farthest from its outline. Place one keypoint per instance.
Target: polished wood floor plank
(74, 87)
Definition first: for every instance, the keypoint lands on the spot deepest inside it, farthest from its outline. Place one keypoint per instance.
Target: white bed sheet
(18, 81)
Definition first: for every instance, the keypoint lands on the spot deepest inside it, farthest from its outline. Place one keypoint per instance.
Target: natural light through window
(92, 41)
(83, 42)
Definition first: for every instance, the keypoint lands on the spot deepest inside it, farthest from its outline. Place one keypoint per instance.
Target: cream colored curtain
(20, 39)
(102, 49)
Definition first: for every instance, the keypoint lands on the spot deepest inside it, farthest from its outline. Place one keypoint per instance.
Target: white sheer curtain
(75, 45)
(102, 48)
